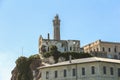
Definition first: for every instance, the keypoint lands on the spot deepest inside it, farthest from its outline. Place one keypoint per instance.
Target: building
(83, 69)
(62, 45)
(103, 49)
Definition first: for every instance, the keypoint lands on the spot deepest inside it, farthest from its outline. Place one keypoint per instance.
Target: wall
(88, 76)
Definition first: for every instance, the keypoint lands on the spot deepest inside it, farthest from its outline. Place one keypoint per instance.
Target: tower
(56, 25)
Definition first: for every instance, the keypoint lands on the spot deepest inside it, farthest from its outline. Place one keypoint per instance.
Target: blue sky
(23, 21)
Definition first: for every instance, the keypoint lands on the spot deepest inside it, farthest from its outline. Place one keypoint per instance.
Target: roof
(83, 60)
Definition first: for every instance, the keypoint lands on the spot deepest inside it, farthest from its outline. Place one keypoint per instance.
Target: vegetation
(74, 55)
(53, 52)
(23, 67)
(56, 54)
(24, 71)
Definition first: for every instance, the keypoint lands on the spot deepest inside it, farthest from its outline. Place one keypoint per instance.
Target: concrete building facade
(62, 45)
(106, 49)
(83, 69)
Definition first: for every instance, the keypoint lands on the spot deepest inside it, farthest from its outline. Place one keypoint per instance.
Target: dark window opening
(111, 71)
(56, 74)
(97, 49)
(118, 72)
(47, 75)
(74, 72)
(103, 49)
(48, 48)
(65, 73)
(92, 70)
(64, 49)
(83, 71)
(70, 48)
(109, 49)
(115, 50)
(104, 70)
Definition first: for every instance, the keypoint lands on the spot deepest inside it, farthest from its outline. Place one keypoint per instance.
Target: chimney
(48, 36)
(70, 58)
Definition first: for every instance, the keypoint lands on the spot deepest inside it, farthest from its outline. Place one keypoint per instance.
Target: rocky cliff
(32, 71)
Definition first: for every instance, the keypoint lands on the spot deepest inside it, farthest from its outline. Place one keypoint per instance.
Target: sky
(23, 21)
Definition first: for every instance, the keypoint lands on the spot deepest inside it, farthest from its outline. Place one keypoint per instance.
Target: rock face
(33, 66)
(14, 74)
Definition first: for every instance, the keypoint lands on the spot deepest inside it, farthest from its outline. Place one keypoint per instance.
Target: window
(83, 71)
(74, 72)
(48, 48)
(47, 75)
(103, 49)
(64, 49)
(118, 72)
(70, 48)
(97, 49)
(65, 73)
(111, 71)
(109, 49)
(56, 74)
(92, 70)
(104, 70)
(115, 50)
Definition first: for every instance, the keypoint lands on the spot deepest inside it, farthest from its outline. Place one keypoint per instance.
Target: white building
(83, 69)
(62, 45)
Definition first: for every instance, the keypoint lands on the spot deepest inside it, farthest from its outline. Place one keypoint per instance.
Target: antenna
(22, 51)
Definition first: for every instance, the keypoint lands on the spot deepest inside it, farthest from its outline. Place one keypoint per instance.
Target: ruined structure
(62, 45)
